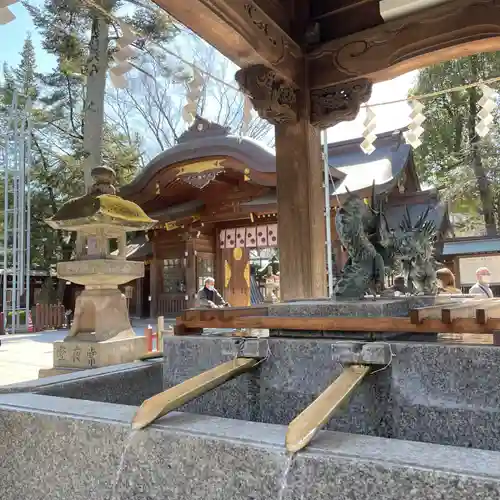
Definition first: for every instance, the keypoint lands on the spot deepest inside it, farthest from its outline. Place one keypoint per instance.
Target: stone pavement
(22, 355)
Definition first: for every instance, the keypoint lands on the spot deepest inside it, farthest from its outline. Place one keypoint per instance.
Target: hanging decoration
(415, 129)
(247, 115)
(6, 15)
(121, 56)
(487, 104)
(370, 123)
(125, 52)
(264, 236)
(193, 94)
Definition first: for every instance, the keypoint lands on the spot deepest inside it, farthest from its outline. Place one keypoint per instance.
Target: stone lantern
(101, 333)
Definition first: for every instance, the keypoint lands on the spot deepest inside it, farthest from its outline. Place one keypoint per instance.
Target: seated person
(208, 296)
(446, 281)
(398, 288)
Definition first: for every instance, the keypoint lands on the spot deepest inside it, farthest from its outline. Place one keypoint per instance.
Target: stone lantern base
(101, 334)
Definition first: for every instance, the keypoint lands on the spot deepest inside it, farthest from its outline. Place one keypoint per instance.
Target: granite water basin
(425, 425)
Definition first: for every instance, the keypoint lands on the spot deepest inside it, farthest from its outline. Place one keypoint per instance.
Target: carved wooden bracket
(273, 98)
(338, 103)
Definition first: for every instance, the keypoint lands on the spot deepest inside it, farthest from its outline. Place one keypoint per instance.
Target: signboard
(468, 266)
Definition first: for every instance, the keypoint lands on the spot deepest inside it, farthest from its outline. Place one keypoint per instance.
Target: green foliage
(59, 104)
(452, 157)
(57, 174)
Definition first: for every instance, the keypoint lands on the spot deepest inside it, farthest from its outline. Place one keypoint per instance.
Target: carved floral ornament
(275, 100)
(339, 103)
(201, 173)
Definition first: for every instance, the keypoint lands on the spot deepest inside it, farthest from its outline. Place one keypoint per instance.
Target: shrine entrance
(310, 65)
(240, 286)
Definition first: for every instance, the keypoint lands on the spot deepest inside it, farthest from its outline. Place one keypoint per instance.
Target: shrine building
(215, 198)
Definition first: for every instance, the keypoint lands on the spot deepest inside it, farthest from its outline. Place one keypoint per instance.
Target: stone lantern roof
(101, 206)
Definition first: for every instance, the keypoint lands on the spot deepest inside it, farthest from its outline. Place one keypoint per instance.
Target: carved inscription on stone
(99, 267)
(273, 98)
(91, 356)
(338, 103)
(61, 352)
(76, 354)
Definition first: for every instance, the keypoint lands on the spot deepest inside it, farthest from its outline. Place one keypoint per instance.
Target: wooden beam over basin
(345, 324)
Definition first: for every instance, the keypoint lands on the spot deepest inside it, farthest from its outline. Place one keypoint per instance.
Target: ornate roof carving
(201, 129)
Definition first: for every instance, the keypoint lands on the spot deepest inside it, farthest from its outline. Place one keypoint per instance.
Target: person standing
(208, 296)
(446, 281)
(482, 286)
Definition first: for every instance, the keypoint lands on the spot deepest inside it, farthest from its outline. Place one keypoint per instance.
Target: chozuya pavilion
(214, 195)
(310, 64)
(402, 419)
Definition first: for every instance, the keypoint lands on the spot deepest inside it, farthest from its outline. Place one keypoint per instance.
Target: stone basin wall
(66, 449)
(127, 384)
(69, 438)
(435, 393)
(443, 394)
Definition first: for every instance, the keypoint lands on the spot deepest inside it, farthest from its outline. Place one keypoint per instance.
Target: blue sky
(12, 37)
(389, 117)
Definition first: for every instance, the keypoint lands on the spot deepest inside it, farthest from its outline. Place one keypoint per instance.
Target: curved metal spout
(171, 399)
(305, 426)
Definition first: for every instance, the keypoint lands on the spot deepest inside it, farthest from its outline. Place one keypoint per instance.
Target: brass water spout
(159, 405)
(305, 426)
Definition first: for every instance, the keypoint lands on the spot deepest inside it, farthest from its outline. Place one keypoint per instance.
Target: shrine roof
(139, 248)
(391, 158)
(438, 212)
(471, 246)
(205, 139)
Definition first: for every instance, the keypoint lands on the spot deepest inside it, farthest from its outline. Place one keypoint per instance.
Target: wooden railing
(472, 316)
(48, 317)
(171, 305)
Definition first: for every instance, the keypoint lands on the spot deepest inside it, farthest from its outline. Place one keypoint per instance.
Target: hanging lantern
(487, 104)
(415, 129)
(370, 124)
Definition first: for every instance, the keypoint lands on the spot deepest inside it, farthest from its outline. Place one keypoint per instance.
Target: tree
(453, 157)
(56, 173)
(84, 36)
(154, 99)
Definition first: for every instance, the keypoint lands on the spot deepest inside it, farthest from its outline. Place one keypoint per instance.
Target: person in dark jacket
(208, 296)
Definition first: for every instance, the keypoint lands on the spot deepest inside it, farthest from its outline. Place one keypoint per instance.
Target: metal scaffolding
(15, 160)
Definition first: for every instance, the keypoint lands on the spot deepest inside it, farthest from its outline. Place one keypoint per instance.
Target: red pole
(154, 343)
(148, 333)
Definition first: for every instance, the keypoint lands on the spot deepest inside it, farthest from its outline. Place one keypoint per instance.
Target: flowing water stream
(128, 443)
(284, 477)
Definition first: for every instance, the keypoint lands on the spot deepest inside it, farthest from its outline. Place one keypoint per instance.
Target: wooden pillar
(301, 220)
(139, 283)
(154, 280)
(190, 273)
(298, 113)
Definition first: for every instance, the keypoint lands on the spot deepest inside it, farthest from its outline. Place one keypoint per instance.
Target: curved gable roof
(205, 139)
